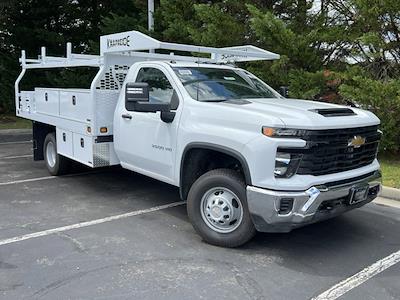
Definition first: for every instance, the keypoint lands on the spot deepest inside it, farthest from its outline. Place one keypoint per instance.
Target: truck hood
(303, 114)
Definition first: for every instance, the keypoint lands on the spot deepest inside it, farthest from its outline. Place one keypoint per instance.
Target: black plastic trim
(334, 112)
(219, 148)
(104, 139)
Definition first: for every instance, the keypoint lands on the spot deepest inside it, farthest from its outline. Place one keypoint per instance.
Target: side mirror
(135, 92)
(284, 91)
(137, 99)
(169, 116)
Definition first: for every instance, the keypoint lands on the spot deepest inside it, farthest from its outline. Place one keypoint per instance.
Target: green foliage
(381, 97)
(218, 28)
(306, 85)
(278, 36)
(173, 19)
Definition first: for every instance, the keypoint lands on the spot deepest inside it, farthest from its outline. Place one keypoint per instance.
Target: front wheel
(217, 208)
(56, 164)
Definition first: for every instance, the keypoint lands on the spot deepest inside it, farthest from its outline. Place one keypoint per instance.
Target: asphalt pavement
(114, 234)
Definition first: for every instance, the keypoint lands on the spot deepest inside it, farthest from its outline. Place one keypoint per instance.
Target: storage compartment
(75, 104)
(83, 148)
(47, 101)
(64, 142)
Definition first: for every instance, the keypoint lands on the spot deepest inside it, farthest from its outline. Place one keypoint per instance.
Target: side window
(160, 89)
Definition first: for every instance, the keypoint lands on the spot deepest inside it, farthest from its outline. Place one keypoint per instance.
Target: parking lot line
(51, 177)
(18, 156)
(27, 180)
(88, 223)
(352, 282)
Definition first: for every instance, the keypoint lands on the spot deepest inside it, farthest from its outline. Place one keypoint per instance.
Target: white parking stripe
(27, 180)
(88, 223)
(18, 156)
(51, 177)
(350, 283)
(12, 143)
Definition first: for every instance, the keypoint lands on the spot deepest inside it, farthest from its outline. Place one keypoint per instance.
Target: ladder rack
(134, 44)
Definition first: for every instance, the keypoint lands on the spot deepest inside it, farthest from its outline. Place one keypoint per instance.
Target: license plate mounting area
(358, 194)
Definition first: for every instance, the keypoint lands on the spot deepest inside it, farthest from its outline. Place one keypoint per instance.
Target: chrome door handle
(126, 116)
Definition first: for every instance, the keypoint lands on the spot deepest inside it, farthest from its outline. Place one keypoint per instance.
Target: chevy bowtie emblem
(357, 141)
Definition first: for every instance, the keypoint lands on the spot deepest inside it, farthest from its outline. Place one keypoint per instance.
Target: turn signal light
(268, 131)
(283, 132)
(103, 129)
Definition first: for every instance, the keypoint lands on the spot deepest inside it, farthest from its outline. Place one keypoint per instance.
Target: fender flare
(209, 146)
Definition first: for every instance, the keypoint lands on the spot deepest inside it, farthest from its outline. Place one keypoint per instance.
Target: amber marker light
(103, 129)
(268, 131)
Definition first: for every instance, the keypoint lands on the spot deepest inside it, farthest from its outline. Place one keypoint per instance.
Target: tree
(30, 24)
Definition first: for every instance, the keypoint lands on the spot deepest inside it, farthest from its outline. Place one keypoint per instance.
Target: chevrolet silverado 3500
(244, 157)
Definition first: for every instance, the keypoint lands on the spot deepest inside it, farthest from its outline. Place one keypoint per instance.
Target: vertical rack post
(150, 12)
(43, 54)
(69, 51)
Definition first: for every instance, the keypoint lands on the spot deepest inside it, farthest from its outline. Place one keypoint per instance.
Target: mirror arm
(167, 116)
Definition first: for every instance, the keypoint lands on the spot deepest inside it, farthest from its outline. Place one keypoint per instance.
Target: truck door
(144, 143)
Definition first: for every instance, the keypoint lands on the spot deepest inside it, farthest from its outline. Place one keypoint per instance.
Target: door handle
(126, 116)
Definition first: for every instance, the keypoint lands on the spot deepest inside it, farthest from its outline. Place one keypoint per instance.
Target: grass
(390, 165)
(13, 122)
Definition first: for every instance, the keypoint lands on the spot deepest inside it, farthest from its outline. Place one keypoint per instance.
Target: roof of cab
(183, 64)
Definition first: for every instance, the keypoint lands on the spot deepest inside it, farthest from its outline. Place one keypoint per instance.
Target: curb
(15, 131)
(390, 193)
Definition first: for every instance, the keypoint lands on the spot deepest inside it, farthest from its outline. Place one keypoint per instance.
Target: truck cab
(244, 158)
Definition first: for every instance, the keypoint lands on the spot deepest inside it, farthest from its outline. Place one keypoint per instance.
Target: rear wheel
(217, 208)
(56, 164)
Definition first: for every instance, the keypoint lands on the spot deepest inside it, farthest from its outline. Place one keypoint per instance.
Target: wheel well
(40, 131)
(198, 160)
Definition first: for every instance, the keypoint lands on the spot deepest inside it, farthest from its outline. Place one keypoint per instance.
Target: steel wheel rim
(51, 154)
(221, 210)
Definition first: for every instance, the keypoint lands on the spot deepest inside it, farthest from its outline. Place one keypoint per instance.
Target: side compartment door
(144, 142)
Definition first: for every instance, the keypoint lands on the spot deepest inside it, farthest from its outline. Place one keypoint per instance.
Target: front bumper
(305, 207)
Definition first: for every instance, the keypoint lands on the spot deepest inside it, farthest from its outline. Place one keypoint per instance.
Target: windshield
(212, 84)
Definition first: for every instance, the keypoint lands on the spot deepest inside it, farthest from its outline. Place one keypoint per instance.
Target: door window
(160, 89)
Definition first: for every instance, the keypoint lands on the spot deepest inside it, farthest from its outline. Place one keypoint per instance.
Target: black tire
(62, 164)
(228, 179)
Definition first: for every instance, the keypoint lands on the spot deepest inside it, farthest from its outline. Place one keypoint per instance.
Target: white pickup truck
(245, 158)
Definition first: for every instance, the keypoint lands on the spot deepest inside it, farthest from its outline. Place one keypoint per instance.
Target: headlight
(283, 132)
(286, 164)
